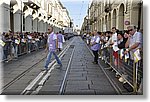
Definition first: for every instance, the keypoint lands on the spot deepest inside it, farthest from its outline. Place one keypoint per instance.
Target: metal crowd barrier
(26, 47)
(130, 71)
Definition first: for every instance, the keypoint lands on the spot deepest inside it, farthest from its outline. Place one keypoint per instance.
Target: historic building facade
(104, 14)
(32, 15)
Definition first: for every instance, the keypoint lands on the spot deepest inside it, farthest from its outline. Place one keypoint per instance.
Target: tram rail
(38, 82)
(29, 69)
(43, 76)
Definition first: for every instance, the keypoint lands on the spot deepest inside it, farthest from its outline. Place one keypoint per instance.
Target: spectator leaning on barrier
(101, 35)
(121, 40)
(121, 45)
(95, 46)
(134, 46)
(7, 47)
(134, 41)
(114, 45)
(29, 37)
(108, 44)
(105, 51)
(16, 42)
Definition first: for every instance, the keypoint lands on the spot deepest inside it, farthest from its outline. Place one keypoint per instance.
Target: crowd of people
(15, 44)
(121, 45)
(124, 46)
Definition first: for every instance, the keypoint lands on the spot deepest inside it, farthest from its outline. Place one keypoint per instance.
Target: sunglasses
(130, 30)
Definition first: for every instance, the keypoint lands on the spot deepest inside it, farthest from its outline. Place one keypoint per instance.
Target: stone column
(17, 21)
(120, 23)
(44, 26)
(134, 15)
(40, 26)
(28, 23)
(35, 24)
(113, 22)
(1, 18)
(4, 17)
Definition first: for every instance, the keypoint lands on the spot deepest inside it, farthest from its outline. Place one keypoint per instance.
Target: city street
(78, 76)
(99, 44)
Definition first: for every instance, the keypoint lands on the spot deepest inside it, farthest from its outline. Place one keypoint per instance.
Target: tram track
(41, 79)
(21, 75)
(35, 86)
(18, 77)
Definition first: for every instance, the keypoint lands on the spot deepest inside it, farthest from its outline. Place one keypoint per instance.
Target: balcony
(95, 19)
(49, 16)
(108, 8)
(60, 22)
(54, 19)
(91, 21)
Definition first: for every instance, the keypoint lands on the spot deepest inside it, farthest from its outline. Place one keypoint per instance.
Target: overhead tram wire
(80, 13)
(83, 2)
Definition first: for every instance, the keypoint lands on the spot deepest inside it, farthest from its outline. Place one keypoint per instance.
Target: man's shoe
(95, 62)
(58, 66)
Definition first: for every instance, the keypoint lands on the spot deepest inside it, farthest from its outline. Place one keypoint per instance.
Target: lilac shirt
(52, 41)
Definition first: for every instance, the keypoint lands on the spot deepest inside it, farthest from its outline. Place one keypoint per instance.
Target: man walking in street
(95, 46)
(52, 45)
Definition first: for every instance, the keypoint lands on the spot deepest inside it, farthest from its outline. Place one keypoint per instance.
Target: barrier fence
(22, 48)
(130, 70)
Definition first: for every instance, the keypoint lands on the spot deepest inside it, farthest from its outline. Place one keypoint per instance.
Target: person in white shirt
(61, 40)
(115, 45)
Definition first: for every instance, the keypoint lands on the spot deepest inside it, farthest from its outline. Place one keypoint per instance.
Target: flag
(137, 56)
(2, 43)
(17, 41)
(121, 53)
(126, 57)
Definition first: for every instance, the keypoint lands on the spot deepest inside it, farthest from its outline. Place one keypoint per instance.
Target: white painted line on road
(33, 83)
(29, 87)
(41, 83)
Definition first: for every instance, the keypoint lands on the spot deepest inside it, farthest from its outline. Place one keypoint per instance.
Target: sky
(77, 10)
